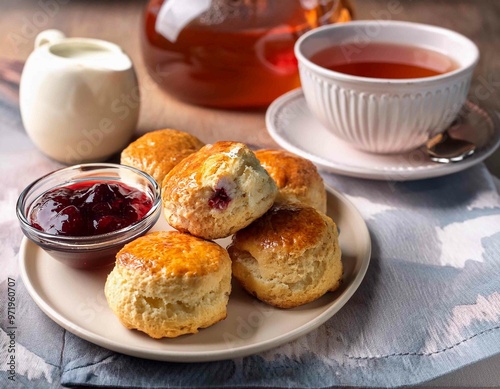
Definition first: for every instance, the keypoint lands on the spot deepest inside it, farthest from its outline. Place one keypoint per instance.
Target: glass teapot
(230, 53)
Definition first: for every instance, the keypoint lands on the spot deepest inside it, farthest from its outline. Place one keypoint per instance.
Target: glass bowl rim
(109, 237)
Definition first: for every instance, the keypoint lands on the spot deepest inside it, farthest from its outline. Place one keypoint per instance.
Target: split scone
(168, 284)
(288, 257)
(157, 152)
(297, 178)
(217, 191)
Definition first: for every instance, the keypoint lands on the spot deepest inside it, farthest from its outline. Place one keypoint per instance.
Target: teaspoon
(445, 149)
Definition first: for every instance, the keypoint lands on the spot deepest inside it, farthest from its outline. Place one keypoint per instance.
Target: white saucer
(293, 127)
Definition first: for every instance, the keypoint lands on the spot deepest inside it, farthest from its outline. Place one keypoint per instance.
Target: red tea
(382, 60)
(245, 59)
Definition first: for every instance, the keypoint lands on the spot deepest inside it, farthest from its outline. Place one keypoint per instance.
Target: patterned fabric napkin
(429, 304)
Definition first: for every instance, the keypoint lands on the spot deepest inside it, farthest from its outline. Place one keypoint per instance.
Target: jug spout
(49, 37)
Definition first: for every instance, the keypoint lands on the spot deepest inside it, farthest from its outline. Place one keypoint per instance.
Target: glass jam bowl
(230, 53)
(92, 250)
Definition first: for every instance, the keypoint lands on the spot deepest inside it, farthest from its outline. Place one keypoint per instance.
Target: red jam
(89, 208)
(219, 200)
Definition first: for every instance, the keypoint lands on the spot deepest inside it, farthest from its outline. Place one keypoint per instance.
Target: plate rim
(205, 356)
(396, 174)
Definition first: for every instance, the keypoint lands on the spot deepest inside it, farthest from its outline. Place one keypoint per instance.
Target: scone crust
(297, 178)
(217, 191)
(177, 286)
(173, 254)
(288, 257)
(157, 152)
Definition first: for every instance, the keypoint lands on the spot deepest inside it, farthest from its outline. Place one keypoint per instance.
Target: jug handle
(48, 37)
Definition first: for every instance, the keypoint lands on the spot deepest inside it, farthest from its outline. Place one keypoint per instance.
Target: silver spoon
(445, 149)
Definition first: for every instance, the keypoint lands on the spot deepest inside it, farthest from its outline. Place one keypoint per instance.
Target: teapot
(230, 53)
(79, 98)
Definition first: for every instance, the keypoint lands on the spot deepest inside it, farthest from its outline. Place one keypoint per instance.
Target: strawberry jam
(219, 200)
(89, 208)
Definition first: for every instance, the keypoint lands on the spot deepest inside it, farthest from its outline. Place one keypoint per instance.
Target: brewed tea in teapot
(230, 53)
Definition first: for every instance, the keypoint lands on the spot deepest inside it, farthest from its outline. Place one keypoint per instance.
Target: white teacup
(385, 115)
(79, 98)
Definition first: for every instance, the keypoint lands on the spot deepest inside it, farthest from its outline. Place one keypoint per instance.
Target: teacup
(79, 98)
(388, 111)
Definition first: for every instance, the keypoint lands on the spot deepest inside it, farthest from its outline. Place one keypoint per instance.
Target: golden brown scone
(297, 178)
(217, 191)
(289, 257)
(157, 152)
(168, 284)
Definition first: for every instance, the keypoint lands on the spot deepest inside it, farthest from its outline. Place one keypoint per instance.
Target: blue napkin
(429, 304)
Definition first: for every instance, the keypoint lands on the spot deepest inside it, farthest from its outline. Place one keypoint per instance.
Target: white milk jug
(79, 98)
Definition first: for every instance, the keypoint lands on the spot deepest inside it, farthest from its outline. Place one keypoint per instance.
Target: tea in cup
(79, 98)
(385, 86)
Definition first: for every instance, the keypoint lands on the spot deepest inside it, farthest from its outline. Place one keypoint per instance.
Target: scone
(217, 191)
(297, 178)
(168, 284)
(289, 257)
(157, 152)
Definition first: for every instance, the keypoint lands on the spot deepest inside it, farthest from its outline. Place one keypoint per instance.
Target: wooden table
(119, 21)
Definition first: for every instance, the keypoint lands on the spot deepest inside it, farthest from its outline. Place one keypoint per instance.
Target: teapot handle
(48, 37)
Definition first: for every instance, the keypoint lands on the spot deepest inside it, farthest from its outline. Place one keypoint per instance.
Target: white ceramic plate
(75, 300)
(294, 128)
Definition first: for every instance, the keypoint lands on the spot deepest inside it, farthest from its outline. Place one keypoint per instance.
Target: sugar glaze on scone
(217, 191)
(297, 178)
(288, 257)
(168, 284)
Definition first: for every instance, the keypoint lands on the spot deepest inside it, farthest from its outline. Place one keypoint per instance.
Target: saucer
(293, 127)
